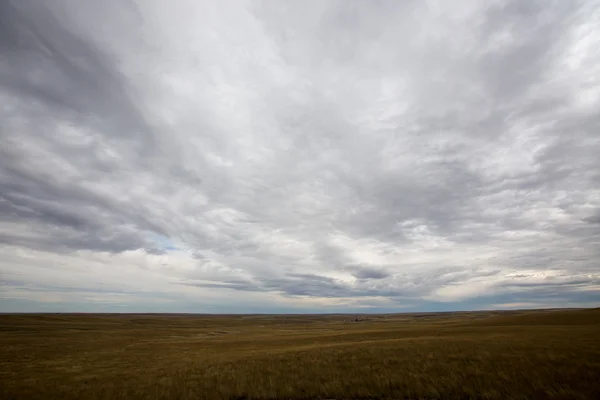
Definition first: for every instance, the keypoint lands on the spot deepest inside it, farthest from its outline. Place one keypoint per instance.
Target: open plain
(551, 354)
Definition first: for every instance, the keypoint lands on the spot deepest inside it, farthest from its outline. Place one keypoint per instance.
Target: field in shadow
(552, 354)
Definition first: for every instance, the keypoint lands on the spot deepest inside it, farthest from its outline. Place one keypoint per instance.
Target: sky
(299, 156)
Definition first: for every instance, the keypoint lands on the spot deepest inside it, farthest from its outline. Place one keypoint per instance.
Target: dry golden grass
(510, 355)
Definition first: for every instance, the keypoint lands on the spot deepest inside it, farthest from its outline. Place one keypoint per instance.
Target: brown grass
(486, 355)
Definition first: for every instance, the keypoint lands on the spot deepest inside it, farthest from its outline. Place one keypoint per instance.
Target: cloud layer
(299, 156)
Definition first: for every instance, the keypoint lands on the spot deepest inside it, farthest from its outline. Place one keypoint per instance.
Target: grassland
(486, 355)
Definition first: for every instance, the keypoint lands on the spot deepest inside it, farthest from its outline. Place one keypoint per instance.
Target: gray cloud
(369, 273)
(361, 151)
(594, 219)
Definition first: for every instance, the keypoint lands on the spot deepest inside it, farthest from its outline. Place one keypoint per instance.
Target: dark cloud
(594, 219)
(360, 272)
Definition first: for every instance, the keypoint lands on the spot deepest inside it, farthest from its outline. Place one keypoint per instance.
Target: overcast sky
(299, 156)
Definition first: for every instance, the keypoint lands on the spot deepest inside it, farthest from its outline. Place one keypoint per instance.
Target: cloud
(270, 156)
(594, 219)
(368, 273)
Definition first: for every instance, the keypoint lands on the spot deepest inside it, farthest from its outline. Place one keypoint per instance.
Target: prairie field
(547, 354)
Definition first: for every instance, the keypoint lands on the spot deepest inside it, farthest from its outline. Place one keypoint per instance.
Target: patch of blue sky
(164, 243)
